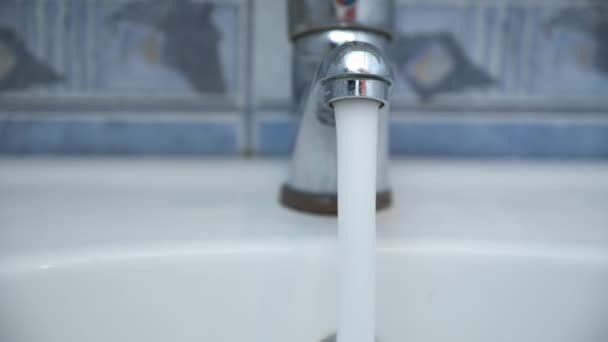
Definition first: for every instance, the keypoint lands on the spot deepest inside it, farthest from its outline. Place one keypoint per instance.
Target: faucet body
(339, 53)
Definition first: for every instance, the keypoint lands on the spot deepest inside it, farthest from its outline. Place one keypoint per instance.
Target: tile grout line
(59, 36)
(527, 50)
(40, 29)
(481, 31)
(91, 43)
(497, 48)
(248, 112)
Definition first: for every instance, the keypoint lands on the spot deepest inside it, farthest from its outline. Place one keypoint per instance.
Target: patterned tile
(155, 47)
(193, 52)
(438, 50)
(24, 48)
(127, 48)
(570, 51)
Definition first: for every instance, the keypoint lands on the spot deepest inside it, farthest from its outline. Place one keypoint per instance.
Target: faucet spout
(351, 70)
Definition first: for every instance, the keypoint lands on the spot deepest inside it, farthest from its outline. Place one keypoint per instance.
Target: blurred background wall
(479, 78)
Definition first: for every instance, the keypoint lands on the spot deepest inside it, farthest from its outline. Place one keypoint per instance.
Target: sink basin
(191, 250)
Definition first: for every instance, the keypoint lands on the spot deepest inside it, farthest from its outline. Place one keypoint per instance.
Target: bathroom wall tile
(438, 51)
(476, 138)
(122, 55)
(512, 37)
(271, 54)
(275, 133)
(130, 49)
(120, 136)
(512, 139)
(26, 58)
(144, 49)
(511, 50)
(544, 50)
(570, 51)
(172, 58)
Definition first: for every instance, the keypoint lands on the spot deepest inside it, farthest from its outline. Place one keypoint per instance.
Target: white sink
(178, 250)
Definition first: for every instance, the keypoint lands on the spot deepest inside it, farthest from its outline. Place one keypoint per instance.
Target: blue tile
(500, 140)
(489, 17)
(118, 137)
(142, 49)
(513, 48)
(568, 57)
(543, 140)
(436, 50)
(276, 137)
(458, 19)
(126, 48)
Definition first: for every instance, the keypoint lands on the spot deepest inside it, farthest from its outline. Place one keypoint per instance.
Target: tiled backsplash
(123, 49)
(483, 78)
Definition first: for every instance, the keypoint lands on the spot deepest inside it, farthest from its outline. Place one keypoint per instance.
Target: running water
(357, 135)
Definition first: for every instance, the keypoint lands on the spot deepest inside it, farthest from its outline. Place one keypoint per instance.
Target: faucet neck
(312, 16)
(336, 56)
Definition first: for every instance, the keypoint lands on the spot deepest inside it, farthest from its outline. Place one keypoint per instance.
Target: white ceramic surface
(199, 250)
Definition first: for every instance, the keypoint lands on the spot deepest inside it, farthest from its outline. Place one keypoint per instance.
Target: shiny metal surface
(309, 51)
(358, 59)
(355, 69)
(348, 88)
(309, 16)
(337, 55)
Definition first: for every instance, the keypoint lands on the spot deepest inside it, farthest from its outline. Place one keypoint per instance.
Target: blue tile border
(275, 137)
(538, 140)
(471, 139)
(80, 137)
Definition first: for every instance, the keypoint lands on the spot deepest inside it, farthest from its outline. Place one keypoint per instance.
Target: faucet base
(323, 203)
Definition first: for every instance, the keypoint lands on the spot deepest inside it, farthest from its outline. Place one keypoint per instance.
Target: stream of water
(357, 137)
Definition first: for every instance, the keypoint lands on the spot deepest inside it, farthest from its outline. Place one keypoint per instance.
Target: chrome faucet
(338, 52)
